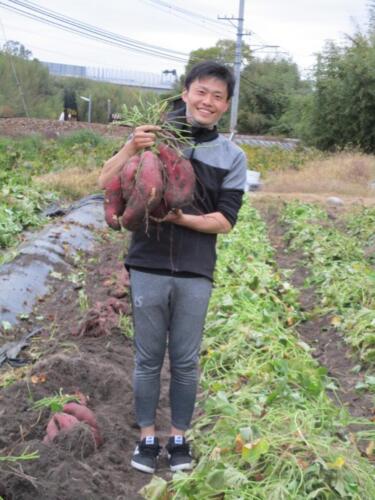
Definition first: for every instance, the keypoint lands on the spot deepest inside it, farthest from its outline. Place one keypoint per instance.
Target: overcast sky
(299, 27)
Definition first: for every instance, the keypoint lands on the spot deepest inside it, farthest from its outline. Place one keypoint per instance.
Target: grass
(276, 159)
(346, 173)
(20, 458)
(72, 183)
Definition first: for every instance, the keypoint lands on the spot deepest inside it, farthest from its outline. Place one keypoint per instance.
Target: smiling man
(171, 265)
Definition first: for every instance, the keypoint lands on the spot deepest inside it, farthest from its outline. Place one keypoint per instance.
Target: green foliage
(343, 111)
(55, 403)
(343, 278)
(268, 431)
(267, 89)
(45, 95)
(21, 199)
(36, 86)
(223, 52)
(275, 158)
(16, 49)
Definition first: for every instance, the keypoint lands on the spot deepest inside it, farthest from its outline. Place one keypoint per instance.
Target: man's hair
(211, 69)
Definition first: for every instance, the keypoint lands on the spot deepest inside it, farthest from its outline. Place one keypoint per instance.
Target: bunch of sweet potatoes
(149, 185)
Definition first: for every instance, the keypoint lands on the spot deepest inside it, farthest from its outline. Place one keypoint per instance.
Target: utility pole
(237, 70)
(237, 66)
(89, 100)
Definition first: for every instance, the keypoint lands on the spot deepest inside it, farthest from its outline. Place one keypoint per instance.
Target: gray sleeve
(236, 177)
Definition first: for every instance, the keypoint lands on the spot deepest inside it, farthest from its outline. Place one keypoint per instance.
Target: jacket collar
(197, 133)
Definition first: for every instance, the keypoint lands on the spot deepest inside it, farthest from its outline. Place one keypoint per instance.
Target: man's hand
(143, 137)
(213, 223)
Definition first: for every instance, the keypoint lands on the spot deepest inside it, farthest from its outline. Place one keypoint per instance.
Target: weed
(20, 458)
(83, 300)
(54, 403)
(126, 326)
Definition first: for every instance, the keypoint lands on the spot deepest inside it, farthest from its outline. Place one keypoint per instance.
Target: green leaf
(6, 326)
(216, 479)
(251, 452)
(156, 489)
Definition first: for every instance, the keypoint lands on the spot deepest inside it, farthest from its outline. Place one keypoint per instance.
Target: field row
(340, 271)
(267, 429)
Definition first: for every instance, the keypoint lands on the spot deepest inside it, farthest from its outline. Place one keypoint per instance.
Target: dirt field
(18, 127)
(97, 362)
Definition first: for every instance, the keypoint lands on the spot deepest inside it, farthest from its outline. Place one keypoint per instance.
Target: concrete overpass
(139, 79)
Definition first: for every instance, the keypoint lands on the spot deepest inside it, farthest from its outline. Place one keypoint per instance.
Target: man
(171, 266)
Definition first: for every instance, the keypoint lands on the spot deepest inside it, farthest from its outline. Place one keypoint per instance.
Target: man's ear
(184, 94)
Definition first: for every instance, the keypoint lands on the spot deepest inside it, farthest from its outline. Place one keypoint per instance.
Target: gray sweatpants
(167, 311)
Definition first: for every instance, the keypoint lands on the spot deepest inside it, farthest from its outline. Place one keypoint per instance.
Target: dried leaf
(239, 443)
(370, 448)
(39, 379)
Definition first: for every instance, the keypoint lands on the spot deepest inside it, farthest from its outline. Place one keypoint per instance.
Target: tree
(267, 87)
(17, 49)
(223, 52)
(343, 111)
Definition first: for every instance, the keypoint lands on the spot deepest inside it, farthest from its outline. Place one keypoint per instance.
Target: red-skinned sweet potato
(160, 211)
(128, 175)
(81, 412)
(114, 204)
(84, 414)
(58, 422)
(180, 178)
(147, 191)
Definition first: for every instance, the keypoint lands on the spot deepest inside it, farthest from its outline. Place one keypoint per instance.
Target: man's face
(206, 100)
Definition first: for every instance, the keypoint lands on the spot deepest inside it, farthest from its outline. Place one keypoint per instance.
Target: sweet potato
(57, 423)
(84, 414)
(180, 178)
(114, 204)
(128, 175)
(147, 192)
(160, 211)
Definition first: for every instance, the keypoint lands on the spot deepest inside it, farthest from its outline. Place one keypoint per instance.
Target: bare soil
(85, 351)
(51, 129)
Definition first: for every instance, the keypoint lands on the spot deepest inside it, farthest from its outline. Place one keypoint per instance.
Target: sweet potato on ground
(84, 414)
(58, 422)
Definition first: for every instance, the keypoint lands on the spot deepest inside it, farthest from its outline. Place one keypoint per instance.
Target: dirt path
(51, 129)
(98, 362)
(328, 347)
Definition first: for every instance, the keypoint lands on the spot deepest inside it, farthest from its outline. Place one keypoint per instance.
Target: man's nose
(208, 99)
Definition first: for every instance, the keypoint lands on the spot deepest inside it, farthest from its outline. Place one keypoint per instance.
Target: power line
(210, 24)
(83, 29)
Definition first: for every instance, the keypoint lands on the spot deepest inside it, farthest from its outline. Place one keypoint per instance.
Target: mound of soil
(98, 363)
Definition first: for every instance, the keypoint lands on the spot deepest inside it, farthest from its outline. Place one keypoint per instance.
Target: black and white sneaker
(146, 454)
(179, 454)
